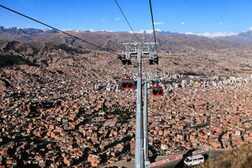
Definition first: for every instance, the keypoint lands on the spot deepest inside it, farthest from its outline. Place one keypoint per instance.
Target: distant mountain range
(46, 47)
(170, 42)
(242, 38)
(29, 33)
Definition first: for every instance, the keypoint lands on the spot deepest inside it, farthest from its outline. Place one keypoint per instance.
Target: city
(75, 98)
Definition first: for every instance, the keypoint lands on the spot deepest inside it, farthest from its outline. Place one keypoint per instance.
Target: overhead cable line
(127, 20)
(54, 28)
(153, 25)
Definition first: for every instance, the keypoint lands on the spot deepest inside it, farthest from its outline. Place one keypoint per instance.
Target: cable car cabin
(157, 91)
(127, 84)
(153, 60)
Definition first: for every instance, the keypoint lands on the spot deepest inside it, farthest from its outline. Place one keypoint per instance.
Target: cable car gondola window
(157, 91)
(127, 84)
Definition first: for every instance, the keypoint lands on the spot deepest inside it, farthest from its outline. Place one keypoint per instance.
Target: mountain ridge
(167, 40)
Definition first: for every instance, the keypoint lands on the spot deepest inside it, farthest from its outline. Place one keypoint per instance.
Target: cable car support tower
(140, 51)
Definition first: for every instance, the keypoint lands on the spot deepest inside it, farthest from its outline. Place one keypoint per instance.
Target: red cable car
(157, 91)
(127, 84)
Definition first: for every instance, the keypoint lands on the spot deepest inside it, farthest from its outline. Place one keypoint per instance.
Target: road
(175, 164)
(179, 163)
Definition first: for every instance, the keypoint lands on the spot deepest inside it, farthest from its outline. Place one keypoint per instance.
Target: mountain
(170, 42)
(244, 38)
(14, 30)
(14, 33)
(179, 52)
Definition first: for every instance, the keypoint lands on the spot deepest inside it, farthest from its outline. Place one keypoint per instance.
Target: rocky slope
(237, 158)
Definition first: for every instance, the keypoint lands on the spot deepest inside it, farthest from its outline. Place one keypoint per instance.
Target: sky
(203, 17)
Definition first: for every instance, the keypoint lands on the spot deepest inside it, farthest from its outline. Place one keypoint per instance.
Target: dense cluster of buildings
(52, 117)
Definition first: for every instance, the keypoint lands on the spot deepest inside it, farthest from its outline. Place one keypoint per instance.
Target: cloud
(159, 23)
(221, 23)
(117, 19)
(189, 33)
(104, 20)
(218, 34)
(250, 29)
(146, 31)
(73, 30)
(78, 30)
(182, 23)
(213, 35)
